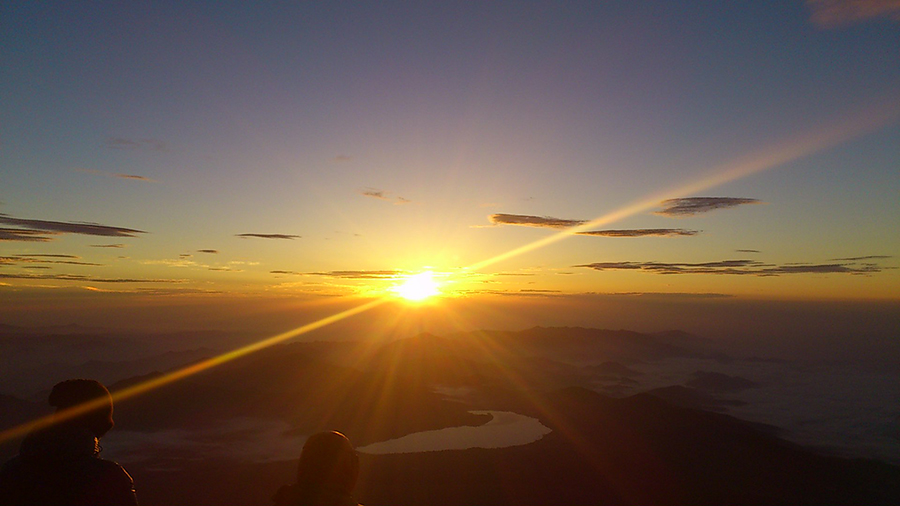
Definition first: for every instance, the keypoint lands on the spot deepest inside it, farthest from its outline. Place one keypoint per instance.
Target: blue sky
(386, 136)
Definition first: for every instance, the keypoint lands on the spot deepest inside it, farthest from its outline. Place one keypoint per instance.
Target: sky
(209, 158)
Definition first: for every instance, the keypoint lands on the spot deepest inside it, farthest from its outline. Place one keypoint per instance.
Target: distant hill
(638, 450)
(718, 382)
(687, 397)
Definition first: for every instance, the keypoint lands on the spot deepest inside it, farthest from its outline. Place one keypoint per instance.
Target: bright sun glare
(418, 287)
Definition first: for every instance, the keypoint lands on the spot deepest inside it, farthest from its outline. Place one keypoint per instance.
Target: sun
(417, 287)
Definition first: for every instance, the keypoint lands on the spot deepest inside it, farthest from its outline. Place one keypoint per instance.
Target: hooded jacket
(60, 466)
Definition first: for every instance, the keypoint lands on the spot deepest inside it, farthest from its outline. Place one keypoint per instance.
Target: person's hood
(59, 443)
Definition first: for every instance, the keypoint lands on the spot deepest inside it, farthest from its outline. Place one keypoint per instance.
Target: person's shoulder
(112, 470)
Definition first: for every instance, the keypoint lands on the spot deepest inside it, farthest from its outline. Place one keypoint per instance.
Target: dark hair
(328, 460)
(74, 392)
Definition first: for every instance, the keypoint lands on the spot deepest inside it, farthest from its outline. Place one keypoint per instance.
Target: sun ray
(863, 121)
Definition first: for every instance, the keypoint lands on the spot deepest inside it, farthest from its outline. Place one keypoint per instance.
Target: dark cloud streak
(690, 206)
(25, 235)
(737, 268)
(269, 236)
(641, 232)
(70, 227)
(533, 221)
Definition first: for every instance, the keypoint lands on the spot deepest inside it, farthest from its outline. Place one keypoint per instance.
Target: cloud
(25, 235)
(383, 195)
(135, 177)
(359, 274)
(49, 255)
(120, 176)
(747, 250)
(125, 143)
(641, 232)
(533, 221)
(376, 194)
(42, 259)
(670, 295)
(75, 277)
(269, 236)
(835, 13)
(737, 267)
(107, 245)
(154, 291)
(70, 227)
(854, 259)
(212, 251)
(690, 206)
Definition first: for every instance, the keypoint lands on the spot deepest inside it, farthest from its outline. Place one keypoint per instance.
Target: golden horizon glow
(418, 287)
(421, 286)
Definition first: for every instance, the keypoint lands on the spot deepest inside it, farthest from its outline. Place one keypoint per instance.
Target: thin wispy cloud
(641, 232)
(211, 251)
(868, 257)
(387, 274)
(747, 250)
(44, 259)
(836, 13)
(738, 267)
(133, 177)
(383, 195)
(107, 245)
(533, 221)
(26, 235)
(690, 206)
(70, 227)
(75, 277)
(126, 143)
(269, 236)
(154, 291)
(670, 295)
(375, 194)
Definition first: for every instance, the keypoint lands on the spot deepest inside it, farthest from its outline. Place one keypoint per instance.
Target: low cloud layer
(44, 226)
(690, 206)
(269, 236)
(835, 13)
(211, 251)
(107, 245)
(738, 267)
(642, 232)
(533, 221)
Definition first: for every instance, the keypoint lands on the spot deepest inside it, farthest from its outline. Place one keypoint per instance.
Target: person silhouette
(326, 474)
(59, 465)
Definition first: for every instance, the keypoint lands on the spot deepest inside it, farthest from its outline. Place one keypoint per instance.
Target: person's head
(75, 392)
(328, 460)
